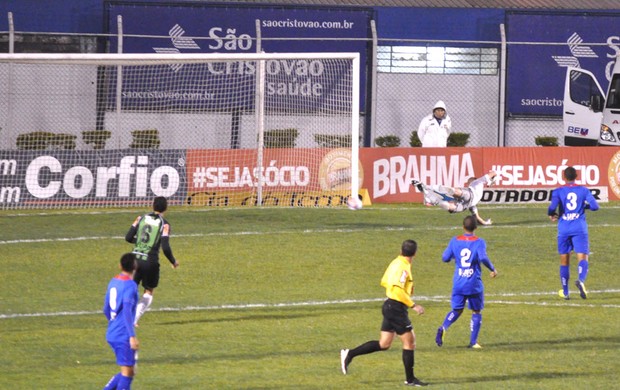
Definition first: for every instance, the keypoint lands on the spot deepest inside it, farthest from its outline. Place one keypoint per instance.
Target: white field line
(435, 298)
(376, 207)
(307, 231)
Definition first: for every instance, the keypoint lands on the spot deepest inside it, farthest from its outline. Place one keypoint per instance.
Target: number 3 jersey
(468, 252)
(572, 201)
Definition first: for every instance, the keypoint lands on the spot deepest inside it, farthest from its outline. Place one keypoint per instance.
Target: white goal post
(107, 130)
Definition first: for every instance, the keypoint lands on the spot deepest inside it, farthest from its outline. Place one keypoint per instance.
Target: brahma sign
(527, 174)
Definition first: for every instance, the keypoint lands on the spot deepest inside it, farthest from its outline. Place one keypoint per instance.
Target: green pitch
(265, 299)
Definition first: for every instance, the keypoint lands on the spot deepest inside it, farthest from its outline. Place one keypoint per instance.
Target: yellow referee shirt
(398, 281)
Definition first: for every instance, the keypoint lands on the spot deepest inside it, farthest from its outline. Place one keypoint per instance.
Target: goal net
(106, 130)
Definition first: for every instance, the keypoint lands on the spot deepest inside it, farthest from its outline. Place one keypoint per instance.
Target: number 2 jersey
(571, 201)
(468, 252)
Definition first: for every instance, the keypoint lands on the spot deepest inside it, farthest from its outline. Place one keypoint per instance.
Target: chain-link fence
(402, 81)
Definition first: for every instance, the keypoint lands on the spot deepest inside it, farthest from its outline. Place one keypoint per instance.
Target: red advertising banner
(287, 177)
(527, 174)
(389, 171)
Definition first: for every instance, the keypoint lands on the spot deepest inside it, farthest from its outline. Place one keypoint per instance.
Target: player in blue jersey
(119, 308)
(469, 252)
(149, 233)
(568, 207)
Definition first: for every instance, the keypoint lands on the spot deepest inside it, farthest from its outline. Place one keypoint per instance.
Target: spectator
(435, 128)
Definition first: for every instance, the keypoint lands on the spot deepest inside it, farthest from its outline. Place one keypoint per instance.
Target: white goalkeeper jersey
(477, 189)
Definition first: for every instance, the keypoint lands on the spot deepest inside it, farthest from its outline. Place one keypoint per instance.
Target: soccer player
(398, 284)
(468, 252)
(149, 233)
(458, 199)
(568, 207)
(119, 308)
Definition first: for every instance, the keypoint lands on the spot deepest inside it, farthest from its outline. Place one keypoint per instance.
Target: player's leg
(458, 304)
(384, 342)
(476, 304)
(582, 248)
(565, 246)
(434, 194)
(113, 383)
(125, 358)
(408, 356)
(150, 281)
(143, 304)
(448, 206)
(347, 355)
(126, 378)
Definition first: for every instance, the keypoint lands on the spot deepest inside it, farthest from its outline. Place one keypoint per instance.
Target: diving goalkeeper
(458, 199)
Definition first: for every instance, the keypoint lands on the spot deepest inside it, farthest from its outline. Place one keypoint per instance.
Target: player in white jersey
(458, 199)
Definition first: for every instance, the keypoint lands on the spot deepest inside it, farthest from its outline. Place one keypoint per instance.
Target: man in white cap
(435, 128)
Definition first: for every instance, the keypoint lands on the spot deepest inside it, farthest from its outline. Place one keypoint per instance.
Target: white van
(588, 118)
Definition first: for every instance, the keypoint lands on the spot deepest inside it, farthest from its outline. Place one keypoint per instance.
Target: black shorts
(147, 273)
(395, 317)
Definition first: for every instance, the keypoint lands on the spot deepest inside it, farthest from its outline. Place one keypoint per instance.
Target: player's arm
(484, 258)
(490, 177)
(165, 246)
(130, 237)
(479, 219)
(553, 206)
(399, 294)
(107, 311)
(127, 316)
(592, 204)
(448, 254)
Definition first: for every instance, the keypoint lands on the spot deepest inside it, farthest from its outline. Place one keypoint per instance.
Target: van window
(613, 100)
(582, 88)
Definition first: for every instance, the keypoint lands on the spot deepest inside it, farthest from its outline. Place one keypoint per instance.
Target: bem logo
(578, 130)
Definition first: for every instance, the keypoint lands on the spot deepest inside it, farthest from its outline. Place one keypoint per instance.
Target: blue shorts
(125, 356)
(475, 302)
(578, 243)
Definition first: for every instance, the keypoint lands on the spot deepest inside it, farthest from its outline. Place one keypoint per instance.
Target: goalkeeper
(458, 199)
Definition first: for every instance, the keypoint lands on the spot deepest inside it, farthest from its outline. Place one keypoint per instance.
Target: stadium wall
(40, 179)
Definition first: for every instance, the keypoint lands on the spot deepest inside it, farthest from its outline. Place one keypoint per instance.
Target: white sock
(143, 306)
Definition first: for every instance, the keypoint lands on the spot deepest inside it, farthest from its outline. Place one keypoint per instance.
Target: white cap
(439, 104)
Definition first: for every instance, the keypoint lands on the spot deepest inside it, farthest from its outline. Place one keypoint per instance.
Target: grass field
(265, 299)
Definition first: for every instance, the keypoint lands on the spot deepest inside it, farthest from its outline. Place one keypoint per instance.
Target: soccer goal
(99, 130)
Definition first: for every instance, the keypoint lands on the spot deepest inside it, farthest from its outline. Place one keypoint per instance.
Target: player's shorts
(147, 273)
(578, 243)
(475, 302)
(464, 201)
(395, 317)
(125, 356)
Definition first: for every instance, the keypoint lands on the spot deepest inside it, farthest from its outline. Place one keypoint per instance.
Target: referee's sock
(368, 347)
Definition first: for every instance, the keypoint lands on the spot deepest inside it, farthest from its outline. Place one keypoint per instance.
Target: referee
(398, 284)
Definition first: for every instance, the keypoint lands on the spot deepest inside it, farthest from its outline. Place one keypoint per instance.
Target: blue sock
(564, 276)
(476, 322)
(451, 319)
(113, 382)
(583, 270)
(124, 383)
